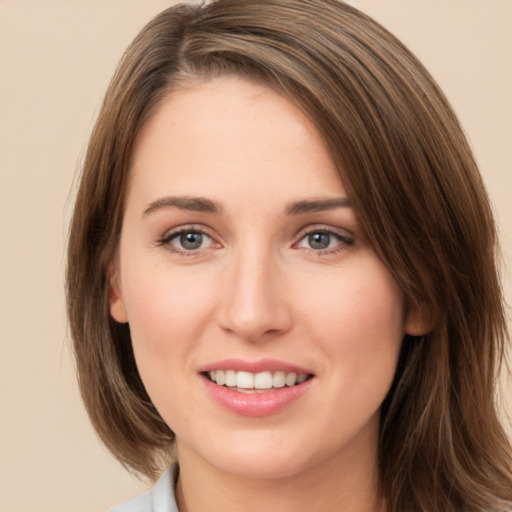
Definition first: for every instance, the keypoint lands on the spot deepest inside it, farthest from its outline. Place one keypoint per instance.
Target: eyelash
(178, 232)
(344, 241)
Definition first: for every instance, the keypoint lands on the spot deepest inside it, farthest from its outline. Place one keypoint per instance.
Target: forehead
(231, 135)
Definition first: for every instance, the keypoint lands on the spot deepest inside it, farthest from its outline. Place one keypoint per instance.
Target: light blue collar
(159, 499)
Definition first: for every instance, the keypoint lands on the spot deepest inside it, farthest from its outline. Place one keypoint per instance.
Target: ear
(418, 320)
(116, 303)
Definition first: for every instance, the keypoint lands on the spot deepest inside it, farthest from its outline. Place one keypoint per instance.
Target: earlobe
(418, 321)
(116, 303)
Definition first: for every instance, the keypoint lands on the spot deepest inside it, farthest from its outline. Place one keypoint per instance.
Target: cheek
(168, 313)
(168, 310)
(359, 320)
(363, 298)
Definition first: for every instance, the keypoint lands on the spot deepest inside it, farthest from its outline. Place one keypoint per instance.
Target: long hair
(410, 174)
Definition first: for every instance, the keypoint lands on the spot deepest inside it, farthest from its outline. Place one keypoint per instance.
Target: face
(265, 328)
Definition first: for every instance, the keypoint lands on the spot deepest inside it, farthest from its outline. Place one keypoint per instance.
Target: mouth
(256, 388)
(261, 382)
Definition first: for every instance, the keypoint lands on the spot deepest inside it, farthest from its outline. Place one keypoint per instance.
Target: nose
(254, 305)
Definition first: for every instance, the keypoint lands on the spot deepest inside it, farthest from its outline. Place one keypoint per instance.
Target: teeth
(244, 380)
(230, 378)
(279, 380)
(262, 380)
(291, 379)
(220, 377)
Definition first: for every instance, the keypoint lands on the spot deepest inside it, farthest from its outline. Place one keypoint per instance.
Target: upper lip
(261, 365)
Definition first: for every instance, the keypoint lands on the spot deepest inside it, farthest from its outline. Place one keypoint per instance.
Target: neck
(338, 483)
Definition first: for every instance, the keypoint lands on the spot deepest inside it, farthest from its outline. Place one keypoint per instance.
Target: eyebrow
(311, 206)
(196, 204)
(202, 204)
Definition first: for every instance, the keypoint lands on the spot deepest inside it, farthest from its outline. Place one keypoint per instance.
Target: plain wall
(56, 58)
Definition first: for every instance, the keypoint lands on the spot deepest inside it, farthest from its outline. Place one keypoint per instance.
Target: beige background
(56, 58)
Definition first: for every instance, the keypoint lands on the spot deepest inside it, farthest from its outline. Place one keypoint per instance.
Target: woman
(282, 271)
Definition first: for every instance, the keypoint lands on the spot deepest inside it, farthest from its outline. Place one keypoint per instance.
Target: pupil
(319, 240)
(191, 240)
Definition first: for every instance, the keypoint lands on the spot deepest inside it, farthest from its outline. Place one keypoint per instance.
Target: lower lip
(256, 404)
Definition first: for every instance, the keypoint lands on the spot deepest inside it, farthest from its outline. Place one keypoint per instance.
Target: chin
(264, 467)
(269, 459)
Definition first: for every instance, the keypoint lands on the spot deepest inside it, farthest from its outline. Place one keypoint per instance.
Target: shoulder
(141, 503)
(159, 499)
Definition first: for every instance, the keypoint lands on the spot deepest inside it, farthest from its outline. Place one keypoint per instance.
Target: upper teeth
(262, 380)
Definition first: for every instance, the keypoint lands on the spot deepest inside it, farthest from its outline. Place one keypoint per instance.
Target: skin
(256, 288)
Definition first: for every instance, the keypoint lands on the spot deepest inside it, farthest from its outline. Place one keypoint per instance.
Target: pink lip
(262, 365)
(256, 404)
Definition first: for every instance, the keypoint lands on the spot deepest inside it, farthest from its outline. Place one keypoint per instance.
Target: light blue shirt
(159, 499)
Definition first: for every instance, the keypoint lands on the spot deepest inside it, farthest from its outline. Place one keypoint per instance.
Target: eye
(320, 240)
(187, 240)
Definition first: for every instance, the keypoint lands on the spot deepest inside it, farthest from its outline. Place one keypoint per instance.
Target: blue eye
(323, 240)
(188, 240)
(319, 240)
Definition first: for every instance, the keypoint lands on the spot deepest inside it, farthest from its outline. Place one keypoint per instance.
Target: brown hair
(409, 171)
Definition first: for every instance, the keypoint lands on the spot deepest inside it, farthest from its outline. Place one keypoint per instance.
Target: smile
(261, 382)
(260, 388)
